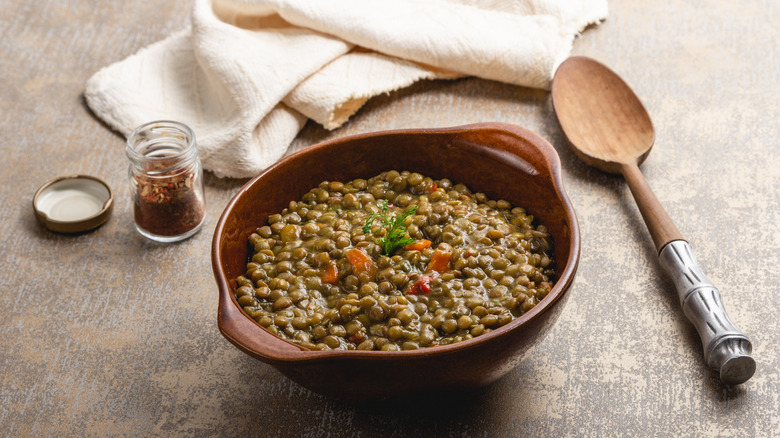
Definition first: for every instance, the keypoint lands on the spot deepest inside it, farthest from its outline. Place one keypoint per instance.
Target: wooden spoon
(609, 129)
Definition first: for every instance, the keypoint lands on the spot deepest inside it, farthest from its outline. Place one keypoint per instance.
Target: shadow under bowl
(503, 161)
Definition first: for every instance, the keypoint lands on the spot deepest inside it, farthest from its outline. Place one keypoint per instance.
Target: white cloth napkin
(247, 74)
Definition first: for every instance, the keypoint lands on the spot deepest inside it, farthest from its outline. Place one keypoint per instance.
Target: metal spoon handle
(726, 349)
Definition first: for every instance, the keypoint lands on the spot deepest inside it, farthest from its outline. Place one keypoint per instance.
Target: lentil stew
(397, 261)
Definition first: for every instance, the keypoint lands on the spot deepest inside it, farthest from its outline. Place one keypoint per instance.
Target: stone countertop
(105, 333)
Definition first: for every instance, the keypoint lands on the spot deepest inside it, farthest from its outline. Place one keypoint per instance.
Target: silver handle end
(731, 358)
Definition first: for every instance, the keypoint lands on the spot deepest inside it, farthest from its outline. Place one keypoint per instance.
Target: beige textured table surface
(107, 334)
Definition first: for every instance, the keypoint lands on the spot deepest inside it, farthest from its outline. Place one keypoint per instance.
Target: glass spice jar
(167, 180)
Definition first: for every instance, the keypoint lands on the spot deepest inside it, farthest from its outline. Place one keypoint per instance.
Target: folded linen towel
(247, 74)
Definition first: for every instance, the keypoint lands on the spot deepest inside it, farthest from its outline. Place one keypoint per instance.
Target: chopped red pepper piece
(421, 286)
(433, 188)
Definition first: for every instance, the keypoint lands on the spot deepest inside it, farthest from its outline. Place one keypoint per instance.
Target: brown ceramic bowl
(503, 161)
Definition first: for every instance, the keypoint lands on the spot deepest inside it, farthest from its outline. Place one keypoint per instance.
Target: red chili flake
(168, 206)
(433, 188)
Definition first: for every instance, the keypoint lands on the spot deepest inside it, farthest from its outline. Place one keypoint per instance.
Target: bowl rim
(280, 351)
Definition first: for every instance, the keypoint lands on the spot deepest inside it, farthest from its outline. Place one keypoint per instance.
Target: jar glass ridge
(167, 180)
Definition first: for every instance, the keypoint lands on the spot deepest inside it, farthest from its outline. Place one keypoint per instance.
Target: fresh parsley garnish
(395, 231)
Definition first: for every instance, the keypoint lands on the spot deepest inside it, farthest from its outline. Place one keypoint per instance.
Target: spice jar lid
(73, 204)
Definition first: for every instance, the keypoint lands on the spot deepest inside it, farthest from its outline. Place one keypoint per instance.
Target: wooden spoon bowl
(583, 88)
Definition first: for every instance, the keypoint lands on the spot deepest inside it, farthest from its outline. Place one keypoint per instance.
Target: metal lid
(73, 204)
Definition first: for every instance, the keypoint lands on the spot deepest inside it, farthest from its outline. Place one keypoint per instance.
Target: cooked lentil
(315, 278)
